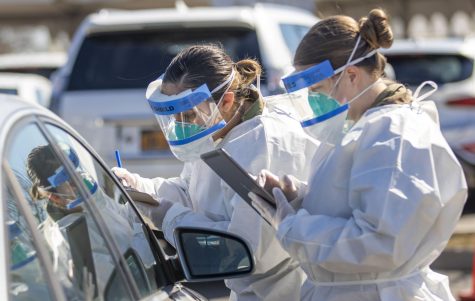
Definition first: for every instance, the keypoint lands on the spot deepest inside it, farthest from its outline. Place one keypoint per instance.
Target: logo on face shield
(164, 109)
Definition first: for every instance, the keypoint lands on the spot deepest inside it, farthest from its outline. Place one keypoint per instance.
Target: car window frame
(160, 255)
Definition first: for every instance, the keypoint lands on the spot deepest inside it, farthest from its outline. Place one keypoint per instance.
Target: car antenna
(180, 5)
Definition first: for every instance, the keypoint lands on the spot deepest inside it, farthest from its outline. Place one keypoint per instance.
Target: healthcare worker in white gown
(386, 190)
(254, 137)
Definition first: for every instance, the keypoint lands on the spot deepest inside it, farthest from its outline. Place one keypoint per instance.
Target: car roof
(219, 16)
(12, 104)
(433, 46)
(29, 60)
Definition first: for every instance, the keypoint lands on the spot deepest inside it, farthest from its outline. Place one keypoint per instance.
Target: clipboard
(235, 176)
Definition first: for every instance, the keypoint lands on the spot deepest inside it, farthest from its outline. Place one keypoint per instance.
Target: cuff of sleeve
(302, 190)
(171, 221)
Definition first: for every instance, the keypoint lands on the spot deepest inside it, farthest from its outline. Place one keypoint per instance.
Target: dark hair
(209, 64)
(335, 37)
(41, 163)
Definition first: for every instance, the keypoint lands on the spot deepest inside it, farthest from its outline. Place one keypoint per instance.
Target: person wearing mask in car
(386, 190)
(205, 101)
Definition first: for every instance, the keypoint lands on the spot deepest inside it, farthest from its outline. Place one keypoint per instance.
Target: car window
(416, 68)
(293, 34)
(81, 258)
(127, 60)
(27, 278)
(124, 223)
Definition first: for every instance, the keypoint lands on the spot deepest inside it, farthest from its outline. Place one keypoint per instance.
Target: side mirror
(211, 254)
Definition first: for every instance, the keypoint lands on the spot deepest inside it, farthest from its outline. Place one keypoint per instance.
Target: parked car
(88, 242)
(40, 63)
(449, 63)
(115, 54)
(30, 87)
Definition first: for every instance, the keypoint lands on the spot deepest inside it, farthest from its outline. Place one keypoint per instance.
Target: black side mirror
(211, 254)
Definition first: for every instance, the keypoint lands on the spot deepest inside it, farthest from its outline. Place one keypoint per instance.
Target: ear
(353, 74)
(227, 102)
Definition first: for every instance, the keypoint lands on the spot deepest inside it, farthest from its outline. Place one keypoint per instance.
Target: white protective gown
(380, 208)
(272, 141)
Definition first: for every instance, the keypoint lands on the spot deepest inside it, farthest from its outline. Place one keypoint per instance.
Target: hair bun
(375, 29)
(248, 70)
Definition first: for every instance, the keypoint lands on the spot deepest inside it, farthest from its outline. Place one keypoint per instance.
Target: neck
(365, 101)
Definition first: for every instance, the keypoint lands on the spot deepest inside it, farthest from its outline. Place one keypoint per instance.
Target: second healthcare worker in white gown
(386, 192)
(231, 116)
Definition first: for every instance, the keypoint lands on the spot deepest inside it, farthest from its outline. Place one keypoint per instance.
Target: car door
(97, 244)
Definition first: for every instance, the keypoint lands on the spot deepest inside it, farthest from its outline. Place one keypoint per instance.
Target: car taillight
(469, 147)
(462, 102)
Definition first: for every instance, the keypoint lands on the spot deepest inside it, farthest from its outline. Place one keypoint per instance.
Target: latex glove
(273, 216)
(293, 188)
(127, 178)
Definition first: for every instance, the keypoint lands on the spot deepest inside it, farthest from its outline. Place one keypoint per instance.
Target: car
(450, 64)
(114, 54)
(76, 234)
(40, 63)
(30, 87)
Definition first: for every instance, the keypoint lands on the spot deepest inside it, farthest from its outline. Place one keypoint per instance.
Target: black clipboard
(235, 176)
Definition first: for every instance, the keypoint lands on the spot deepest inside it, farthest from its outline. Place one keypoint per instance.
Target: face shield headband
(164, 105)
(317, 73)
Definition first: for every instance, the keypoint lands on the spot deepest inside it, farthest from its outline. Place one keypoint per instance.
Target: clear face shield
(321, 115)
(188, 119)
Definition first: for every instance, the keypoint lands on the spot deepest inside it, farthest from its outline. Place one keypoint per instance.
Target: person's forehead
(171, 88)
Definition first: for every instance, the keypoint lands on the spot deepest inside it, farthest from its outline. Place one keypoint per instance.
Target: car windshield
(414, 69)
(129, 60)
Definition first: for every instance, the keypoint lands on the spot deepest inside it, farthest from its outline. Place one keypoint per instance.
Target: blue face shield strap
(308, 77)
(212, 129)
(181, 104)
(61, 175)
(326, 116)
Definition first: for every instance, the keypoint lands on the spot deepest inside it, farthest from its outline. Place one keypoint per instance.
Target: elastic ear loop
(346, 65)
(216, 111)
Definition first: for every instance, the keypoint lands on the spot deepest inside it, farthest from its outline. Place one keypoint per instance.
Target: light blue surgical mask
(321, 103)
(185, 130)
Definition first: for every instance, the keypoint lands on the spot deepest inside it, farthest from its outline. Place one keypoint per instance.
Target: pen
(117, 157)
